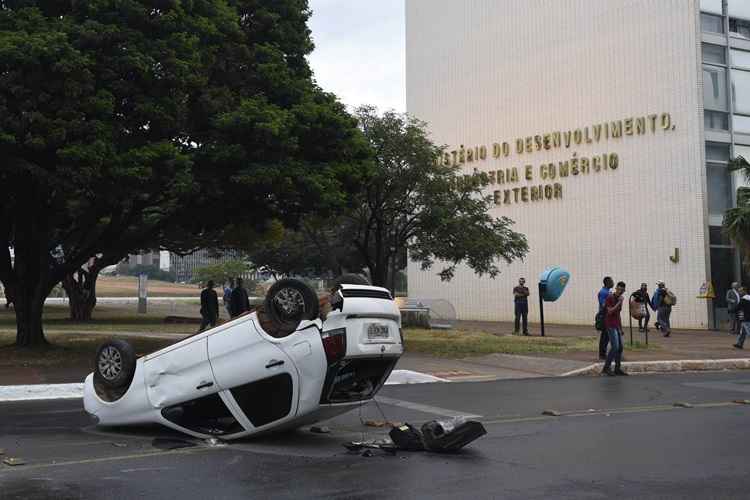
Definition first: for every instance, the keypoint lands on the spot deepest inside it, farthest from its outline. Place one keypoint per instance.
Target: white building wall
(486, 71)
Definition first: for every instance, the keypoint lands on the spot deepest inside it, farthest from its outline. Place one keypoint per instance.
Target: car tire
(290, 301)
(114, 365)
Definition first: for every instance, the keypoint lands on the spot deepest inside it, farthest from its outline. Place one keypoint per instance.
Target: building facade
(605, 127)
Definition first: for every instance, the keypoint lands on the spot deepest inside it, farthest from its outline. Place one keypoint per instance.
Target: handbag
(599, 320)
(637, 309)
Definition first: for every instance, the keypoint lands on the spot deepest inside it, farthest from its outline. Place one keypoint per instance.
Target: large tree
(411, 201)
(130, 124)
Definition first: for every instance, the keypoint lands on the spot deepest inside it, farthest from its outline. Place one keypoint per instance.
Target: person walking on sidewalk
(733, 301)
(209, 306)
(743, 311)
(612, 308)
(599, 321)
(642, 298)
(663, 302)
(521, 304)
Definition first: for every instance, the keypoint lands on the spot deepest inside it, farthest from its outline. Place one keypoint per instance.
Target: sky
(359, 51)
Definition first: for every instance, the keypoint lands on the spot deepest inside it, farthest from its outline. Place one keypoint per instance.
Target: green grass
(67, 349)
(463, 343)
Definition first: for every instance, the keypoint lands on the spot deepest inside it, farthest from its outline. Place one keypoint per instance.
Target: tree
(221, 272)
(134, 124)
(412, 201)
(737, 219)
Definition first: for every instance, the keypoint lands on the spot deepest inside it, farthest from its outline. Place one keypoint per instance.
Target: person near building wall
(604, 292)
(642, 298)
(521, 305)
(733, 301)
(663, 302)
(613, 324)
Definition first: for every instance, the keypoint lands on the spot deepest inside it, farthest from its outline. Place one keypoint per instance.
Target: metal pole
(541, 306)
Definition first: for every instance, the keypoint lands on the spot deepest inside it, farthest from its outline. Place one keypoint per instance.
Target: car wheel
(114, 365)
(290, 301)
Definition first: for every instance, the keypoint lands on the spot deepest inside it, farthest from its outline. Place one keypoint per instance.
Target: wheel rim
(289, 302)
(110, 363)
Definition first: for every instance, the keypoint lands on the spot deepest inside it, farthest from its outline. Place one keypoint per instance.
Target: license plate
(377, 331)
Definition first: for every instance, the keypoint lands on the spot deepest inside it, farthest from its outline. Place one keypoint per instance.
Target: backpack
(670, 299)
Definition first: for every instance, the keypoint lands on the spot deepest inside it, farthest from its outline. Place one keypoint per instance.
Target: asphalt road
(614, 438)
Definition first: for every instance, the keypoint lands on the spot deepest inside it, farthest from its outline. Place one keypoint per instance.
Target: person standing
(733, 301)
(612, 308)
(227, 297)
(663, 308)
(209, 306)
(743, 311)
(604, 292)
(239, 300)
(521, 304)
(641, 296)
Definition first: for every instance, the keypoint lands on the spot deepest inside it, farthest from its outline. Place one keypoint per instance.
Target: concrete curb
(682, 365)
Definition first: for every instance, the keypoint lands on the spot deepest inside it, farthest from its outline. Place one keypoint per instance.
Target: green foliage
(153, 273)
(132, 124)
(412, 201)
(222, 272)
(737, 219)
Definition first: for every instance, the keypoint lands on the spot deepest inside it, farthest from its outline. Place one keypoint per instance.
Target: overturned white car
(282, 366)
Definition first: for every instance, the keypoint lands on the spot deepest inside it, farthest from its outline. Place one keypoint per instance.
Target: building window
(737, 8)
(715, 54)
(717, 236)
(712, 6)
(740, 58)
(739, 28)
(741, 91)
(716, 152)
(741, 124)
(711, 23)
(715, 120)
(714, 88)
(719, 190)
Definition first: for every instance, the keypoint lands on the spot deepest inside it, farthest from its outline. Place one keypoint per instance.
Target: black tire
(290, 301)
(114, 365)
(349, 279)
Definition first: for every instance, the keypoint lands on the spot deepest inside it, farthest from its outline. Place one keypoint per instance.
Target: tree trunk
(29, 309)
(80, 286)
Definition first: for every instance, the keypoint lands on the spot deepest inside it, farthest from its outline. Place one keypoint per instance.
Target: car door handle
(274, 362)
(204, 385)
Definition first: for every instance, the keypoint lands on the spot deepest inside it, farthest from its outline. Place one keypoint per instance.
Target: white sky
(359, 51)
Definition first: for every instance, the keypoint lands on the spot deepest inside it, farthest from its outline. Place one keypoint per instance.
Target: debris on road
(119, 445)
(552, 413)
(407, 438)
(13, 461)
(382, 423)
(320, 429)
(738, 401)
(442, 436)
(683, 405)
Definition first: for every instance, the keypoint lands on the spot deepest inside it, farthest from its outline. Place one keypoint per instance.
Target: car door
(255, 374)
(179, 373)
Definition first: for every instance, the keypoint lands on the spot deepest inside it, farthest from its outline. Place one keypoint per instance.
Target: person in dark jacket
(521, 303)
(239, 300)
(641, 297)
(744, 308)
(209, 306)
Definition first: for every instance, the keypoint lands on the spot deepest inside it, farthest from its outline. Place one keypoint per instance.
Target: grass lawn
(127, 286)
(464, 343)
(67, 349)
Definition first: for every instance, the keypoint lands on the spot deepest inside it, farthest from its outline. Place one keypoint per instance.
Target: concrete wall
(492, 71)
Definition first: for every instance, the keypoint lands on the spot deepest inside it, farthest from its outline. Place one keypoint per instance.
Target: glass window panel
(717, 152)
(714, 54)
(713, 6)
(741, 124)
(739, 28)
(719, 189)
(711, 24)
(741, 91)
(717, 236)
(722, 273)
(740, 58)
(715, 120)
(714, 88)
(737, 8)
